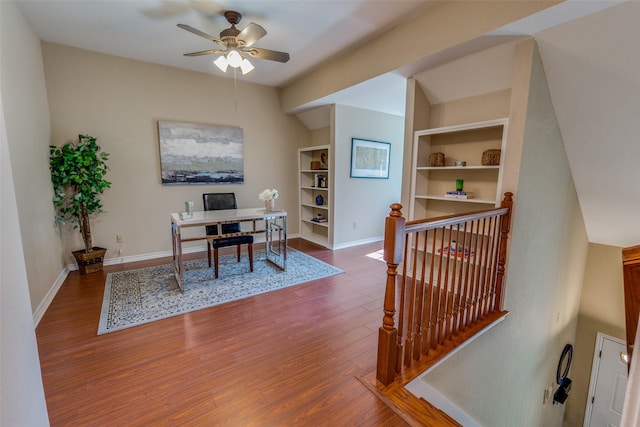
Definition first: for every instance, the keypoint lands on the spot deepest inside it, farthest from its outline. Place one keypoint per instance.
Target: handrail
(448, 274)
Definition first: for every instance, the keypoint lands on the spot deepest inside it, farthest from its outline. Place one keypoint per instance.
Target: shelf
(446, 199)
(312, 205)
(435, 168)
(308, 190)
(320, 224)
(310, 187)
(467, 143)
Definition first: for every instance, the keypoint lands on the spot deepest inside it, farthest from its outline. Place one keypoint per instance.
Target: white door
(608, 383)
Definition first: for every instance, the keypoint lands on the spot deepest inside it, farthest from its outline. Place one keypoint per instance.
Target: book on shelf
(456, 251)
(458, 195)
(319, 219)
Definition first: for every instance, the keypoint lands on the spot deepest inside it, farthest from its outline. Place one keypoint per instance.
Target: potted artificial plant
(77, 174)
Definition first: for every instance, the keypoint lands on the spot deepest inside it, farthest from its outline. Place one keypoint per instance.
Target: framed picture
(200, 154)
(369, 159)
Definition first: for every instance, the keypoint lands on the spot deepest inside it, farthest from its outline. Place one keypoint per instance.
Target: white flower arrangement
(268, 194)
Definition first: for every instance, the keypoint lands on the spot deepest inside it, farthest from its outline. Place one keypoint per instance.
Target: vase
(319, 200)
(270, 205)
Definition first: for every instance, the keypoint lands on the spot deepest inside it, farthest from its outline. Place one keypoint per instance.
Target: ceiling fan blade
(271, 55)
(205, 52)
(200, 33)
(251, 34)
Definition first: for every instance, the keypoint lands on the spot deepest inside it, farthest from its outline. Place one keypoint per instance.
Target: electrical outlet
(354, 225)
(119, 238)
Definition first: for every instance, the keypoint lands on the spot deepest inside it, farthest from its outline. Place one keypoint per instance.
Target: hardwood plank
(289, 357)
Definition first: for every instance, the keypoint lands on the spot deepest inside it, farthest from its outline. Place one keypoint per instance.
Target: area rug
(135, 297)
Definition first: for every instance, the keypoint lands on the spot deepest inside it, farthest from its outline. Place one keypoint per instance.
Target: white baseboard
(357, 242)
(421, 389)
(48, 298)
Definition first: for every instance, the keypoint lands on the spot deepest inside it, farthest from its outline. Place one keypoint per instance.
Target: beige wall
(442, 25)
(601, 310)
(360, 204)
(418, 111)
(29, 250)
(28, 129)
(119, 101)
(500, 378)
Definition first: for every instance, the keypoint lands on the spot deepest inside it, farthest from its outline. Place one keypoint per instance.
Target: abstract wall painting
(193, 153)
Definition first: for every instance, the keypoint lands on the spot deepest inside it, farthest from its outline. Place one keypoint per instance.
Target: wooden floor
(286, 358)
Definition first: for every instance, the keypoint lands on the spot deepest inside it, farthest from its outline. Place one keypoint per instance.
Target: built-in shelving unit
(314, 183)
(465, 143)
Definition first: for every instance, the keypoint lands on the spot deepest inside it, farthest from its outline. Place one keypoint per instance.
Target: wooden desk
(255, 220)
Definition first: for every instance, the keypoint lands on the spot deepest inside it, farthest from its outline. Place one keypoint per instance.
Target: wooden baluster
(464, 263)
(417, 346)
(401, 309)
(473, 294)
(466, 295)
(507, 202)
(411, 301)
(482, 277)
(443, 288)
(435, 305)
(480, 281)
(451, 290)
(388, 334)
(491, 276)
(429, 316)
(494, 265)
(488, 273)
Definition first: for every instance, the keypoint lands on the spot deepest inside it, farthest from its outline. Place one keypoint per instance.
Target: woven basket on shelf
(436, 159)
(491, 157)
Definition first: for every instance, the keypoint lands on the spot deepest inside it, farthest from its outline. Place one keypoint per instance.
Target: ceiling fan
(236, 44)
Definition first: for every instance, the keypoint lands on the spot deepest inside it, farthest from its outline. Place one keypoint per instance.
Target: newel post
(505, 225)
(388, 334)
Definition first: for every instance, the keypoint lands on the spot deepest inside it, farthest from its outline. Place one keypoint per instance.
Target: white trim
(357, 242)
(431, 395)
(420, 388)
(48, 298)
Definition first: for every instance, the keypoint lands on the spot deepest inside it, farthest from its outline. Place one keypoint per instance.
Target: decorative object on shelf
(370, 159)
(191, 154)
(459, 184)
(491, 157)
(315, 165)
(436, 159)
(319, 218)
(320, 181)
(269, 198)
(319, 200)
(77, 174)
(323, 161)
(461, 195)
(460, 163)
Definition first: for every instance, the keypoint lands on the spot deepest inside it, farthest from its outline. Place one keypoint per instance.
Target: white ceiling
(588, 48)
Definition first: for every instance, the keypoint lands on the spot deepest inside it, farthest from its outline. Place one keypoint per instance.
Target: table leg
(276, 249)
(178, 261)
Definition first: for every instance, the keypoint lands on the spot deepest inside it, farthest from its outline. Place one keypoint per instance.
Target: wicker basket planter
(90, 262)
(491, 157)
(436, 159)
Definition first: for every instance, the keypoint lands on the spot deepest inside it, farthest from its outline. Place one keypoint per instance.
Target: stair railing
(445, 283)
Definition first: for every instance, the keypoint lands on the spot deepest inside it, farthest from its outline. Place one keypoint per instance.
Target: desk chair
(219, 201)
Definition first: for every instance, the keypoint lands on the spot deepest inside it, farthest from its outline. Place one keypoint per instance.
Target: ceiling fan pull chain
(235, 88)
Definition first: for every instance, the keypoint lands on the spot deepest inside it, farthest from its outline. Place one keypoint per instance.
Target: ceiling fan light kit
(236, 45)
